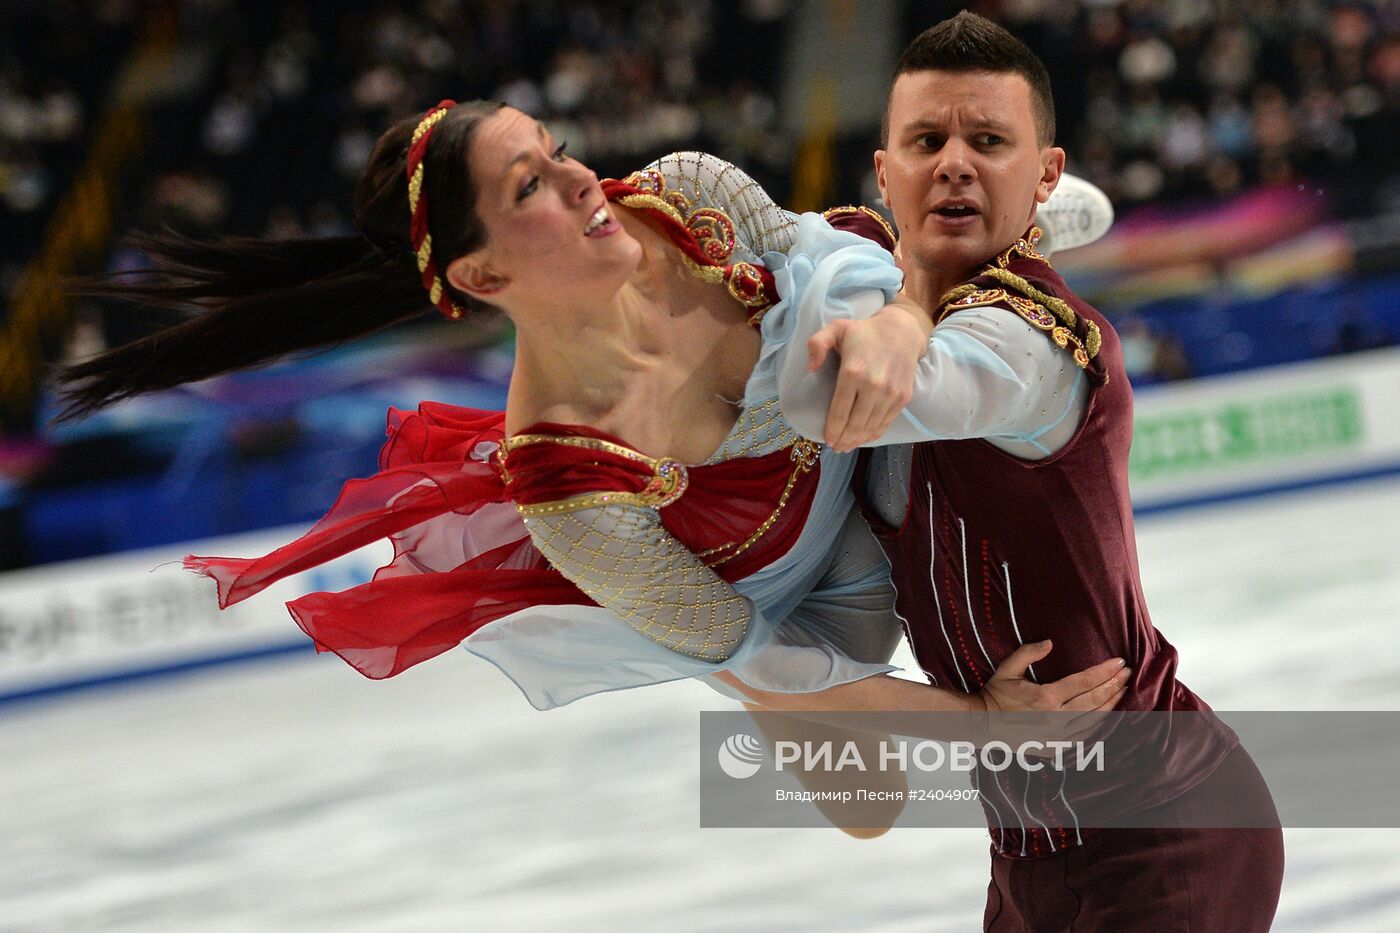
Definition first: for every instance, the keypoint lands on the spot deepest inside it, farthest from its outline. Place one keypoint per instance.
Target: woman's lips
(606, 228)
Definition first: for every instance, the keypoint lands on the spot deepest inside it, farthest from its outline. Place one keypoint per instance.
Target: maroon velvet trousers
(1170, 879)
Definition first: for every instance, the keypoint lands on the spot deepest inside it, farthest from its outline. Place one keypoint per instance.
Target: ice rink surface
(295, 795)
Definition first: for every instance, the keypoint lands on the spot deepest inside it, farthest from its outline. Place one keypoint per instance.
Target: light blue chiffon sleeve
(827, 275)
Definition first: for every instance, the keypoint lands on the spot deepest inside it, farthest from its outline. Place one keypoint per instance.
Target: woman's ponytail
(255, 301)
(251, 301)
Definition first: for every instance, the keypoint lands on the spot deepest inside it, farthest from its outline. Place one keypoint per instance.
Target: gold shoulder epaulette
(1044, 312)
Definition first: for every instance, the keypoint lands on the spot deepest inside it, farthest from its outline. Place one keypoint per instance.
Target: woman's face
(551, 236)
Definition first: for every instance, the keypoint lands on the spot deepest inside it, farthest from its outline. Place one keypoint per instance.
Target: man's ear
(1052, 161)
(472, 275)
(880, 176)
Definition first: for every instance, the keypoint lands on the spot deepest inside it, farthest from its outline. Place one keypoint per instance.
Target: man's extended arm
(984, 372)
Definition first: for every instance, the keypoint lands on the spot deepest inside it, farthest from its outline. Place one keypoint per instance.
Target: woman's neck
(576, 364)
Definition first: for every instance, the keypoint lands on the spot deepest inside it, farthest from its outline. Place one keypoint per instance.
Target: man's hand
(876, 379)
(1092, 691)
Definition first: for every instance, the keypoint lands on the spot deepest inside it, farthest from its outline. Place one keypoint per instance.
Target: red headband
(419, 237)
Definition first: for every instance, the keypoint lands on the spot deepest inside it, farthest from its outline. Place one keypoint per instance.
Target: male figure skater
(1006, 515)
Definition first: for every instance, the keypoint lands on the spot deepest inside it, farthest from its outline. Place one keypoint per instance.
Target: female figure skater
(641, 512)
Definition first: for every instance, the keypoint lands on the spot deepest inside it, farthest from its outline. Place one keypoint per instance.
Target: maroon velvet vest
(996, 551)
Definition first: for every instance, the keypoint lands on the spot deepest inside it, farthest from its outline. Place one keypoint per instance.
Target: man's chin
(953, 252)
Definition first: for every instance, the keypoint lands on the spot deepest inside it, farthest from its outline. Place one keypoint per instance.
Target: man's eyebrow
(927, 124)
(521, 156)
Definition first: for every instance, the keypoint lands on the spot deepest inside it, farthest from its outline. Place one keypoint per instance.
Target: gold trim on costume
(654, 201)
(970, 296)
(845, 209)
(1025, 246)
(740, 273)
(594, 500)
(669, 476)
(570, 440)
(805, 455)
(670, 479)
(713, 232)
(1093, 339)
(1062, 309)
(1053, 315)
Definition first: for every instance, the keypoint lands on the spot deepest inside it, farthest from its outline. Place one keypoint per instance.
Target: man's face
(963, 169)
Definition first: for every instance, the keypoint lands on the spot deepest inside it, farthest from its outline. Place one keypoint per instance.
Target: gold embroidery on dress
(759, 430)
(743, 275)
(571, 440)
(498, 460)
(805, 455)
(668, 482)
(713, 230)
(666, 486)
(670, 479)
(711, 275)
(653, 201)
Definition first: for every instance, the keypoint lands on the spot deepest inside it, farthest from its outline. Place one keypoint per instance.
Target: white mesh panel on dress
(709, 181)
(626, 561)
(760, 429)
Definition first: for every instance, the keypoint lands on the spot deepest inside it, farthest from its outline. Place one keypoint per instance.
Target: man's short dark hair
(968, 42)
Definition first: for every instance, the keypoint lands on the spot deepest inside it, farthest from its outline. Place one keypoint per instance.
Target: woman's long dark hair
(255, 300)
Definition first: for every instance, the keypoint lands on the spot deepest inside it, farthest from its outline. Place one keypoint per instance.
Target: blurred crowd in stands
(301, 91)
(56, 64)
(1159, 100)
(1163, 99)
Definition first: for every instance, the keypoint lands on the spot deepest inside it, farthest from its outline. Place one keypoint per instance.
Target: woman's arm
(624, 559)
